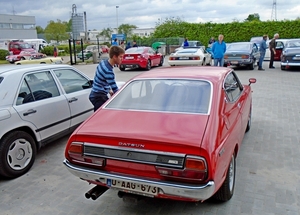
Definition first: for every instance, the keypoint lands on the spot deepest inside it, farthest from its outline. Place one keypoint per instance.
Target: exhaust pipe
(95, 192)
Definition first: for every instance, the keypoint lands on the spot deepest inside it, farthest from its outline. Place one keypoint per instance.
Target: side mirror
(252, 81)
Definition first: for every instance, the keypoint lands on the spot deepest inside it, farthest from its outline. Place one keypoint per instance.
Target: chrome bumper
(194, 192)
(289, 64)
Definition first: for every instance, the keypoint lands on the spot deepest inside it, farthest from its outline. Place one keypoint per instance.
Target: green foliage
(126, 29)
(56, 31)
(106, 33)
(68, 25)
(3, 54)
(39, 30)
(252, 17)
(233, 32)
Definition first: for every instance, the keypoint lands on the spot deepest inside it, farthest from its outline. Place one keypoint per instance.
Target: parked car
(190, 56)
(192, 43)
(280, 44)
(291, 54)
(24, 55)
(257, 40)
(104, 48)
(88, 52)
(38, 103)
(41, 60)
(141, 57)
(175, 134)
(241, 54)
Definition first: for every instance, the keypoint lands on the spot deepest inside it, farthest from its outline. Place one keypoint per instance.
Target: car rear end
(291, 55)
(186, 57)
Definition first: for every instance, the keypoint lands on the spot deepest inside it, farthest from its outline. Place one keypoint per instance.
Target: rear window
(164, 95)
(135, 50)
(188, 51)
(238, 47)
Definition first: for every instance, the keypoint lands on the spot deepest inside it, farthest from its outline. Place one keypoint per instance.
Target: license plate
(183, 58)
(129, 57)
(131, 186)
(234, 62)
(129, 66)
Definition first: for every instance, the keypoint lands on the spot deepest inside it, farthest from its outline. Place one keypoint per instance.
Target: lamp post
(117, 18)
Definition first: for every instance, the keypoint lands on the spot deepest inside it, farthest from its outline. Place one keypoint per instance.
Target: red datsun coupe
(170, 133)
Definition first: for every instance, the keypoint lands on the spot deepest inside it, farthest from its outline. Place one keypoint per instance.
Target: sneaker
(272, 67)
(261, 69)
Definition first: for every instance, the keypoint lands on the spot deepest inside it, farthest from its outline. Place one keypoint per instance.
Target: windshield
(25, 46)
(293, 44)
(138, 50)
(164, 95)
(238, 47)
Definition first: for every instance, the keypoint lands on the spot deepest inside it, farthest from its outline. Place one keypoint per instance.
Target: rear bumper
(238, 62)
(289, 64)
(167, 189)
(134, 64)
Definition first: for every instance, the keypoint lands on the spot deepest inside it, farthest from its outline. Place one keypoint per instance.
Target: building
(17, 27)
(143, 32)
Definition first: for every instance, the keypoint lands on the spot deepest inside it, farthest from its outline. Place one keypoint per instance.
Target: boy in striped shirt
(104, 81)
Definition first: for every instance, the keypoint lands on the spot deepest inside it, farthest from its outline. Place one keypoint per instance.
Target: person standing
(115, 42)
(219, 49)
(211, 41)
(262, 51)
(104, 80)
(128, 46)
(55, 51)
(272, 47)
(122, 45)
(134, 44)
(185, 43)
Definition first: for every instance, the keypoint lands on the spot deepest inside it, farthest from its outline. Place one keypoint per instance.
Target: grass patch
(4, 62)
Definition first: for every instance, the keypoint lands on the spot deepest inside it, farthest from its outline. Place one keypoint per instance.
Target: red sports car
(104, 48)
(170, 133)
(24, 55)
(141, 57)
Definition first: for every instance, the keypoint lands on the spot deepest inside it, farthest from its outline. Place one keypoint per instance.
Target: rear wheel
(226, 190)
(249, 121)
(203, 62)
(251, 66)
(17, 154)
(22, 58)
(161, 61)
(148, 65)
(122, 68)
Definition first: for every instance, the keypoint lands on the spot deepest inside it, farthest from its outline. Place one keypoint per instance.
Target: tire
(210, 62)
(161, 61)
(17, 154)
(148, 67)
(203, 62)
(23, 58)
(249, 120)
(226, 190)
(251, 66)
(122, 68)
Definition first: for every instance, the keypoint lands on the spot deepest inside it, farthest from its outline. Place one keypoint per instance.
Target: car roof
(242, 43)
(24, 68)
(213, 74)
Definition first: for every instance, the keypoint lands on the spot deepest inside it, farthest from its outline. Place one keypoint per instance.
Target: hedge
(3, 54)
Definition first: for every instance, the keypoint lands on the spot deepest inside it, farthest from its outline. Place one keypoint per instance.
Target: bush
(3, 54)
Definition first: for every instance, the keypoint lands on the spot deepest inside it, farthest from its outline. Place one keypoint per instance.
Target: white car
(192, 43)
(190, 56)
(38, 104)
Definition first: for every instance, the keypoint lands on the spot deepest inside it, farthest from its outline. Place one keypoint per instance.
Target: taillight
(141, 56)
(196, 58)
(76, 154)
(172, 58)
(245, 56)
(195, 169)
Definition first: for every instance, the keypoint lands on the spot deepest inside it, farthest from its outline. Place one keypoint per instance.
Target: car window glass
(37, 86)
(170, 95)
(279, 45)
(232, 86)
(72, 81)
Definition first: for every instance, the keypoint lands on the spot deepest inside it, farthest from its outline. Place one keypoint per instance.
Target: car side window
(279, 45)
(232, 87)
(72, 81)
(37, 86)
(255, 48)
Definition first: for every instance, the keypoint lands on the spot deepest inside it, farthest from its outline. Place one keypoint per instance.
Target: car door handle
(29, 112)
(239, 105)
(73, 100)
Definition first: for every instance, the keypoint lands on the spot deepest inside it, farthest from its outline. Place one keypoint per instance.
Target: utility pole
(117, 18)
(274, 11)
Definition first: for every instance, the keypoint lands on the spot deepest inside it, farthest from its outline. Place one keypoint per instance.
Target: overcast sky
(146, 13)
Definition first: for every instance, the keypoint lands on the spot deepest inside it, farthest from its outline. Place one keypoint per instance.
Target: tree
(126, 29)
(105, 33)
(56, 31)
(253, 17)
(39, 30)
(68, 25)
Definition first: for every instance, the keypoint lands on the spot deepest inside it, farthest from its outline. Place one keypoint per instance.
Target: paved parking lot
(268, 172)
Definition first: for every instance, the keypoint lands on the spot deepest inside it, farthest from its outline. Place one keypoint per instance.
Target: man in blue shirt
(185, 43)
(219, 49)
(115, 42)
(262, 51)
(104, 81)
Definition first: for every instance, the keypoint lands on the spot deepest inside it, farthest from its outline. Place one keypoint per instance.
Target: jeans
(219, 61)
(271, 59)
(98, 99)
(261, 59)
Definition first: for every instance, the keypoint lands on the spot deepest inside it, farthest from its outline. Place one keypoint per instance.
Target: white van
(37, 44)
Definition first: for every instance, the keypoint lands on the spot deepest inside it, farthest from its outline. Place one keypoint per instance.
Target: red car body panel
(22, 56)
(215, 136)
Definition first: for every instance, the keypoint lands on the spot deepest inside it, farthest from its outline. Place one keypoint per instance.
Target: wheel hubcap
(231, 173)
(19, 154)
